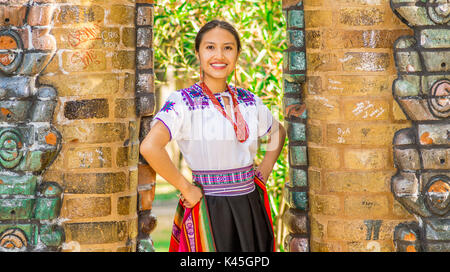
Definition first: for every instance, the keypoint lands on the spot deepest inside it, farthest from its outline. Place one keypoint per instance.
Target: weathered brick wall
(94, 74)
(352, 118)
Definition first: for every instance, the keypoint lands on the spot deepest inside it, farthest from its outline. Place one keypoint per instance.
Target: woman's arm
(277, 137)
(153, 150)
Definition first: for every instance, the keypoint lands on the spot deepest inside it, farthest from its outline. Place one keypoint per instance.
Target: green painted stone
(294, 78)
(408, 61)
(17, 185)
(18, 208)
(297, 60)
(287, 101)
(436, 61)
(297, 177)
(296, 200)
(37, 160)
(416, 16)
(28, 229)
(295, 18)
(47, 208)
(296, 131)
(405, 42)
(291, 87)
(295, 38)
(435, 38)
(146, 245)
(51, 235)
(407, 86)
(297, 155)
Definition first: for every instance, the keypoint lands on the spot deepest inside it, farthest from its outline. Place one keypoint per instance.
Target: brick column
(94, 73)
(295, 191)
(352, 118)
(145, 100)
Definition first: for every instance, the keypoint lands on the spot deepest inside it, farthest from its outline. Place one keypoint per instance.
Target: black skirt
(240, 223)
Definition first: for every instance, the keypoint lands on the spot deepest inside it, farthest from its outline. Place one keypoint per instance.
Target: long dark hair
(213, 24)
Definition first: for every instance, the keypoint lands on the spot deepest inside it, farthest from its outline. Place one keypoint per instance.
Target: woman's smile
(219, 65)
(218, 53)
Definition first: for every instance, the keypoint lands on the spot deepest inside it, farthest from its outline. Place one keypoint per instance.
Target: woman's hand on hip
(191, 196)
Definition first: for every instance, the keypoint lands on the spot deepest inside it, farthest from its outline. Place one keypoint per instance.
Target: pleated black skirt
(240, 223)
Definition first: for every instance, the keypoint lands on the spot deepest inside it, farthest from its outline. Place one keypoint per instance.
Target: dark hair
(213, 24)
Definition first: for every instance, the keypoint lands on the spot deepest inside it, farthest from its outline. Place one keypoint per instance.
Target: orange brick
(366, 206)
(325, 204)
(349, 230)
(365, 62)
(322, 108)
(314, 132)
(86, 207)
(361, 16)
(324, 157)
(322, 62)
(314, 181)
(350, 182)
(89, 157)
(318, 18)
(366, 109)
(366, 159)
(362, 133)
(358, 85)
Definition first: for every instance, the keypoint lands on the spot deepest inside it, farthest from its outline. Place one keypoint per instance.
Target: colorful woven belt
(231, 182)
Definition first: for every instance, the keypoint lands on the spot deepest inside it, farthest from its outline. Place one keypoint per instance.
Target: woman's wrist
(185, 186)
(261, 174)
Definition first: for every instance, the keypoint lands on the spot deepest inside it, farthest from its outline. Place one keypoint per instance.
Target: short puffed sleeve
(265, 117)
(171, 115)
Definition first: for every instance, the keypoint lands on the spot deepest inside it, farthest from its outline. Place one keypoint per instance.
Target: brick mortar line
(104, 219)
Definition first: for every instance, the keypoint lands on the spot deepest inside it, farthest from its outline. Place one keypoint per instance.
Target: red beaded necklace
(240, 126)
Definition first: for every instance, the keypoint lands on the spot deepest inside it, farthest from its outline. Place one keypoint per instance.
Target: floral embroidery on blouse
(196, 99)
(168, 106)
(246, 97)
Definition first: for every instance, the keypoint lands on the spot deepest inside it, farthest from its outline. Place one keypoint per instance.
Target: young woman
(217, 127)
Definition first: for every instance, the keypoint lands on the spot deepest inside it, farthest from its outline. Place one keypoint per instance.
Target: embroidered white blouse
(205, 137)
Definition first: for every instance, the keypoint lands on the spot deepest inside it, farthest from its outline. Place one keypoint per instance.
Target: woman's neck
(215, 85)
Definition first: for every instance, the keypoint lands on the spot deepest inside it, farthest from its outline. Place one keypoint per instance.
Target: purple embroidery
(190, 232)
(196, 99)
(168, 106)
(244, 96)
(195, 92)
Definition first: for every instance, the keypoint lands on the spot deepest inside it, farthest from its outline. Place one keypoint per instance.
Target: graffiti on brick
(422, 152)
(29, 206)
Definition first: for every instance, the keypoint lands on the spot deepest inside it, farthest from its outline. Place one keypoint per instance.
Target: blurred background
(261, 25)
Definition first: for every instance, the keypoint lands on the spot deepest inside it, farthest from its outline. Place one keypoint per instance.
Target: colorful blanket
(192, 229)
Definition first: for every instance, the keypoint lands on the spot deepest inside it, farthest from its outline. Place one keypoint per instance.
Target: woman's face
(218, 53)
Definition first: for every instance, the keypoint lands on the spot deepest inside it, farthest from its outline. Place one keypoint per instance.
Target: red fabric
(240, 126)
(186, 218)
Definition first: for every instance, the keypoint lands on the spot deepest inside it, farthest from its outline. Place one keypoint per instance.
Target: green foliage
(261, 25)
